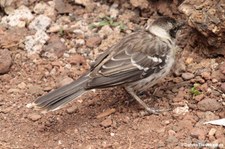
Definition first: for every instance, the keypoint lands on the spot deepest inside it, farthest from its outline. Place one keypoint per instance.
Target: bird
(137, 62)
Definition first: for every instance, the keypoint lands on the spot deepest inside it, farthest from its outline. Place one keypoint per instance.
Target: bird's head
(165, 27)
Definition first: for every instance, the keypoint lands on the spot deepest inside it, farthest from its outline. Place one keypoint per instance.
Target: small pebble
(223, 87)
(77, 59)
(166, 122)
(206, 75)
(198, 133)
(40, 22)
(13, 90)
(181, 110)
(171, 139)
(93, 41)
(106, 113)
(5, 61)
(171, 132)
(208, 104)
(189, 60)
(199, 97)
(212, 132)
(214, 80)
(222, 68)
(34, 117)
(72, 109)
(35, 89)
(106, 123)
(105, 31)
(187, 76)
(65, 81)
(6, 110)
(22, 85)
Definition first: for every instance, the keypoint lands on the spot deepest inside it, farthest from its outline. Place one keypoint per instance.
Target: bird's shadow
(85, 116)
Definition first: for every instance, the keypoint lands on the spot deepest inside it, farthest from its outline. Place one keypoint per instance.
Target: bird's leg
(128, 102)
(148, 109)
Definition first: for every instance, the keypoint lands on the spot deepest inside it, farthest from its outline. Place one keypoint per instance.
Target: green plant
(61, 31)
(195, 89)
(108, 21)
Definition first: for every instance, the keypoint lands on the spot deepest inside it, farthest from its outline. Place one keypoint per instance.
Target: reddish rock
(5, 61)
(106, 123)
(208, 104)
(77, 59)
(198, 133)
(54, 48)
(187, 76)
(223, 87)
(206, 75)
(34, 117)
(65, 81)
(93, 41)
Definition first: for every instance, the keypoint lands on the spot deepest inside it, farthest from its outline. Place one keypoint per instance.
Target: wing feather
(134, 57)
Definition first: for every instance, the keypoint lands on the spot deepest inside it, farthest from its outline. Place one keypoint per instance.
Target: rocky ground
(45, 45)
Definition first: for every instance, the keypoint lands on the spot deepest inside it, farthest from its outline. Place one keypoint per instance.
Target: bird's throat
(160, 32)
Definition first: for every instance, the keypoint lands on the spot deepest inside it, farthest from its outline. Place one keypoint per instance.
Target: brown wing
(133, 58)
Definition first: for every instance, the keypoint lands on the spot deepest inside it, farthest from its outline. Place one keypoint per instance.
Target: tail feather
(61, 96)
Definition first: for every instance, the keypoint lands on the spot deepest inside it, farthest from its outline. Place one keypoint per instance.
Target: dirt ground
(76, 33)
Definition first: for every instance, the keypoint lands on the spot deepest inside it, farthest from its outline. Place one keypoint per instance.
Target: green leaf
(194, 90)
(103, 23)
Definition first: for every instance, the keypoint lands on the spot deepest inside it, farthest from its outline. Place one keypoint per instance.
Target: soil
(193, 93)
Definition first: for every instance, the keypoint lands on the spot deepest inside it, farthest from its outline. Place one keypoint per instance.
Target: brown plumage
(137, 62)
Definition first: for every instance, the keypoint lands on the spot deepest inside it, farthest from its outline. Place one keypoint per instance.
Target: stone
(139, 3)
(106, 113)
(222, 68)
(22, 85)
(206, 75)
(34, 117)
(189, 60)
(72, 109)
(208, 104)
(77, 59)
(171, 139)
(34, 89)
(46, 9)
(65, 81)
(198, 133)
(83, 2)
(5, 61)
(211, 27)
(63, 7)
(181, 110)
(187, 76)
(93, 41)
(212, 132)
(40, 22)
(222, 87)
(105, 31)
(106, 123)
(199, 97)
(34, 43)
(55, 48)
(19, 17)
(113, 12)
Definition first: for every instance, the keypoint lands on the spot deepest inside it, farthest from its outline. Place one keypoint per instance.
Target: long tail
(61, 96)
